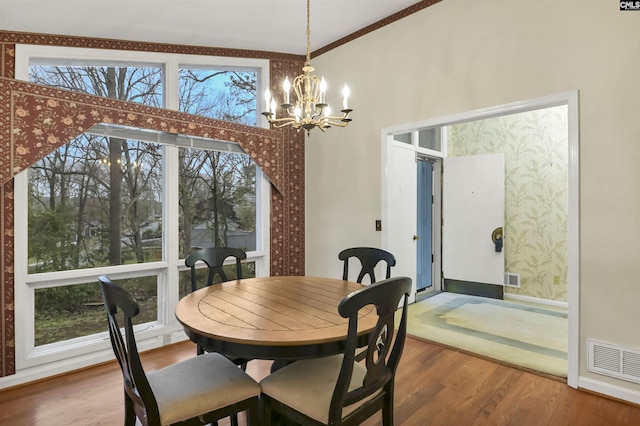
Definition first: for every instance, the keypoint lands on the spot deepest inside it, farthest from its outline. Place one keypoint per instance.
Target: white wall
(463, 55)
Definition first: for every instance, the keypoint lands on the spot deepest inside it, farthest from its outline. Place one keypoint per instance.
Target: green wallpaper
(536, 193)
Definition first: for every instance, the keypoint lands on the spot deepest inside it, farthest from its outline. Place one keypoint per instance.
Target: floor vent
(511, 279)
(613, 360)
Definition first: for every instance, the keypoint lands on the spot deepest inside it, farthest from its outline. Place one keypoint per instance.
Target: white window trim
(35, 363)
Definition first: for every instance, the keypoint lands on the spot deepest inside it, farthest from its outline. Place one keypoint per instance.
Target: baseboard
(609, 390)
(537, 300)
(492, 291)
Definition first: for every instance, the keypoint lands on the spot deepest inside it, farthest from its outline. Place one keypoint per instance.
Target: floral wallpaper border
(42, 119)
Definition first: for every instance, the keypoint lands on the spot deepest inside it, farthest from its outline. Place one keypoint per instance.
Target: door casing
(567, 98)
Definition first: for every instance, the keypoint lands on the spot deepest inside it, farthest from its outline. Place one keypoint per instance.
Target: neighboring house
(202, 237)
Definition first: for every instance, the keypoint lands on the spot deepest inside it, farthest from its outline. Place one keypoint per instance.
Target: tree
(133, 84)
(209, 179)
(111, 185)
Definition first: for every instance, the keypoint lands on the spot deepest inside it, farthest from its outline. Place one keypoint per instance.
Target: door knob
(496, 237)
(415, 238)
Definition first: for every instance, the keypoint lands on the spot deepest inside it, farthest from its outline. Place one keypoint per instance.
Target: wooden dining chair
(199, 390)
(338, 390)
(214, 258)
(369, 257)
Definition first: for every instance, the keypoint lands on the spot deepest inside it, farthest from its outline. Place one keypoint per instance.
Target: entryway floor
(529, 335)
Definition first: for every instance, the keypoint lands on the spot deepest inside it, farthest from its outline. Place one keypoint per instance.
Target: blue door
(425, 225)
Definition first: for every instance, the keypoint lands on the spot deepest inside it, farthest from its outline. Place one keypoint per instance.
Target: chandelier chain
(308, 62)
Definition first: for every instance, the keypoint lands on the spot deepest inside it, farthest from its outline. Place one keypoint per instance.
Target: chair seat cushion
(307, 386)
(199, 385)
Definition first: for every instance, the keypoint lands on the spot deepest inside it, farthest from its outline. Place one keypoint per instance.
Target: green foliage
(67, 299)
(51, 240)
(72, 311)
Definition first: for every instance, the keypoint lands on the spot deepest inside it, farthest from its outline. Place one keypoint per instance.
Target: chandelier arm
(287, 122)
(337, 124)
(317, 113)
(279, 120)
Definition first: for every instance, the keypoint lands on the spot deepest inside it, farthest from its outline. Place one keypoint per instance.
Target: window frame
(87, 350)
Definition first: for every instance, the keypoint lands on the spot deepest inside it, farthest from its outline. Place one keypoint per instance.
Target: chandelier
(309, 108)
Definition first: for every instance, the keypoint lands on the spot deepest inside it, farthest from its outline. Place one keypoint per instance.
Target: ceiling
(269, 25)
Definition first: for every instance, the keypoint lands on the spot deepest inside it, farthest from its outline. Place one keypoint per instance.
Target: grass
(68, 312)
(62, 326)
(64, 313)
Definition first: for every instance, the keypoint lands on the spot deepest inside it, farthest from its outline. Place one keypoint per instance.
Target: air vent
(511, 279)
(613, 360)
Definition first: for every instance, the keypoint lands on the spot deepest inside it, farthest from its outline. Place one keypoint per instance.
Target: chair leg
(253, 415)
(129, 412)
(234, 419)
(199, 350)
(387, 407)
(265, 411)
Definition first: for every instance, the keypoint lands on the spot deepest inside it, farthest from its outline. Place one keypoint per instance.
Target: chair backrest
(136, 385)
(369, 258)
(382, 357)
(214, 257)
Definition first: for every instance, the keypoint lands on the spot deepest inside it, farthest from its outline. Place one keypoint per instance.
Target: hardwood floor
(434, 386)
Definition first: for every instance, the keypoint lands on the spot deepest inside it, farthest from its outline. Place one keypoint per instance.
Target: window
(95, 201)
(73, 311)
(431, 140)
(224, 94)
(131, 203)
(217, 189)
(403, 137)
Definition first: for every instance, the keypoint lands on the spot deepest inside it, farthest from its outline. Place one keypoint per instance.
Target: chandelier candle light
(309, 108)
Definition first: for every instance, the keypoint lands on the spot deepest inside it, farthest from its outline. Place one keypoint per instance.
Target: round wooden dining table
(289, 317)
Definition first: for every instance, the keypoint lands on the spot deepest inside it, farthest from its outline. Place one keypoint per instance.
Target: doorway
(569, 100)
(424, 235)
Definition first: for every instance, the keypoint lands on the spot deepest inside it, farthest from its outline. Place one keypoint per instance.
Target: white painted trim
(102, 354)
(608, 389)
(385, 140)
(437, 224)
(485, 113)
(167, 294)
(23, 296)
(263, 226)
(31, 53)
(573, 222)
(537, 300)
(570, 99)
